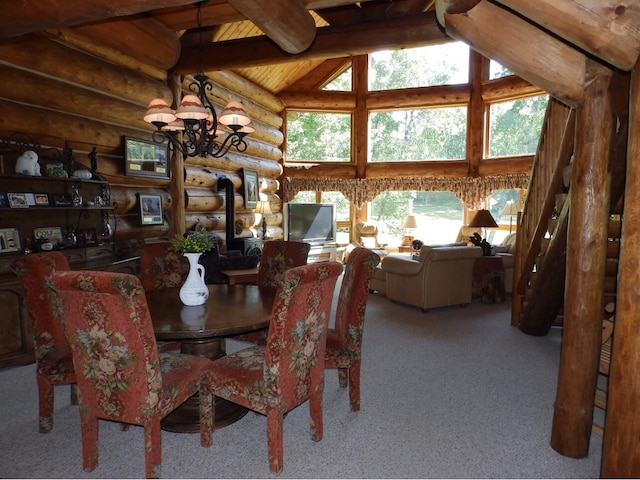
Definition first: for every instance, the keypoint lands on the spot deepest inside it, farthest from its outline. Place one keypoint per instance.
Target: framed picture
(9, 240)
(150, 209)
(18, 200)
(146, 159)
(52, 234)
(86, 237)
(62, 199)
(31, 199)
(251, 188)
(41, 199)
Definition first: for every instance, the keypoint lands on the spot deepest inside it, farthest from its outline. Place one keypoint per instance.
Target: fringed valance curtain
(472, 191)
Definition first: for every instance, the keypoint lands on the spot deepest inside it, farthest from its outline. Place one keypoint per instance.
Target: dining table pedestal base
(186, 418)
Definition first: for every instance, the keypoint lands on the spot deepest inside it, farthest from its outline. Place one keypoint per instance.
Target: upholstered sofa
(507, 250)
(440, 277)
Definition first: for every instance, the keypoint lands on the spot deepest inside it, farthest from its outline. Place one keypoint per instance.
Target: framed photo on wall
(251, 188)
(150, 209)
(9, 240)
(144, 158)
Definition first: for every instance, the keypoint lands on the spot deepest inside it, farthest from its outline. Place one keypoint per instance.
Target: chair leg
(342, 377)
(315, 411)
(206, 417)
(74, 394)
(354, 386)
(275, 440)
(45, 400)
(153, 449)
(89, 426)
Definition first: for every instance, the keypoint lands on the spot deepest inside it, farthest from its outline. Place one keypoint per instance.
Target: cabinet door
(16, 342)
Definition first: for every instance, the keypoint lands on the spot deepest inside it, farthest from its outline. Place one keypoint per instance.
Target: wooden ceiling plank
(501, 35)
(320, 75)
(28, 16)
(331, 42)
(183, 18)
(286, 22)
(607, 29)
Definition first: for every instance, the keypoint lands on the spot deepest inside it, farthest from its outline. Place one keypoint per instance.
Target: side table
(245, 275)
(488, 279)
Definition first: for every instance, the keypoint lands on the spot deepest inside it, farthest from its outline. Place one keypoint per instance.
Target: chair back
(111, 335)
(294, 358)
(33, 272)
(277, 257)
(352, 301)
(161, 267)
(366, 234)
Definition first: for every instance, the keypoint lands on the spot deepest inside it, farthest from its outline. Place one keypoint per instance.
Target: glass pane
(342, 204)
(304, 197)
(341, 83)
(498, 71)
(414, 135)
(439, 216)
(318, 137)
(445, 64)
(514, 126)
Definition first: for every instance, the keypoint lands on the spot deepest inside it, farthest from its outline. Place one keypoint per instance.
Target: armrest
(401, 266)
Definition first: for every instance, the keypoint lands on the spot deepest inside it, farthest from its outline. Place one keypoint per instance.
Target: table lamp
(510, 209)
(484, 220)
(410, 224)
(264, 208)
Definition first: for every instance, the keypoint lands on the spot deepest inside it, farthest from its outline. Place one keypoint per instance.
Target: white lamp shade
(234, 115)
(410, 222)
(159, 111)
(510, 209)
(191, 108)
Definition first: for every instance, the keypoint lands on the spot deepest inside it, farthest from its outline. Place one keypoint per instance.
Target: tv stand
(323, 252)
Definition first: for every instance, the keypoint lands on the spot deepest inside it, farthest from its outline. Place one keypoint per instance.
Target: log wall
(55, 93)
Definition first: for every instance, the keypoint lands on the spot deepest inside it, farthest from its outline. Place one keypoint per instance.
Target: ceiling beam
(331, 42)
(27, 16)
(286, 22)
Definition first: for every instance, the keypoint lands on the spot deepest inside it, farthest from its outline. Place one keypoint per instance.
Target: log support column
(621, 450)
(586, 255)
(178, 224)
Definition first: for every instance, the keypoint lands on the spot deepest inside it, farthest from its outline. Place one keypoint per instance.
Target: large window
(445, 64)
(514, 126)
(425, 134)
(318, 137)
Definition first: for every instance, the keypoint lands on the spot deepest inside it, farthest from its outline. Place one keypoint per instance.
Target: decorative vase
(194, 291)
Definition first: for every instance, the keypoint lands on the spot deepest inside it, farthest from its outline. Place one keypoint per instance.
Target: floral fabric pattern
(161, 267)
(289, 370)
(120, 374)
(54, 365)
(277, 257)
(344, 342)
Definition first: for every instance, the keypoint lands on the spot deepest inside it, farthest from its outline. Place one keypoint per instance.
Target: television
(314, 223)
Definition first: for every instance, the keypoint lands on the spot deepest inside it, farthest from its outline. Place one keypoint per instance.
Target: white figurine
(27, 164)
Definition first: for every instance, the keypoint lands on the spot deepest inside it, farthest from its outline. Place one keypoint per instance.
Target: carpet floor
(454, 393)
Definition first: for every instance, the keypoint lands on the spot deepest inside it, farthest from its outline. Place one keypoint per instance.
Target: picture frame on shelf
(31, 199)
(62, 200)
(251, 187)
(41, 199)
(10, 240)
(17, 200)
(144, 158)
(52, 235)
(86, 237)
(4, 202)
(150, 209)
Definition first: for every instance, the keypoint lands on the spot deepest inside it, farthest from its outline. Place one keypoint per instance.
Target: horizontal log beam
(330, 42)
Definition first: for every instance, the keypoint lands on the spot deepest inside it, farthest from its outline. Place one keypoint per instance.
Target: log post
(621, 450)
(586, 256)
(178, 225)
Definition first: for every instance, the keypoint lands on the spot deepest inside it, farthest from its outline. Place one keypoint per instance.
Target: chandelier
(194, 128)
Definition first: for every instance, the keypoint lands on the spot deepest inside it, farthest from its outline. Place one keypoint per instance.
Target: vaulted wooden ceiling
(271, 43)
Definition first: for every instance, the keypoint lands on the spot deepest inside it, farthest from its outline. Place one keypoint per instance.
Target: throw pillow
(500, 249)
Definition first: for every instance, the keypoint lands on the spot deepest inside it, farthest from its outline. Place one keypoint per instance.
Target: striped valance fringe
(472, 191)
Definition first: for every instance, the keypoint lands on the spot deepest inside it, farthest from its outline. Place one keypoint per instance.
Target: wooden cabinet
(23, 224)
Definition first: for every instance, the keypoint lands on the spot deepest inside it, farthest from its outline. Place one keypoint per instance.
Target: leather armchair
(442, 276)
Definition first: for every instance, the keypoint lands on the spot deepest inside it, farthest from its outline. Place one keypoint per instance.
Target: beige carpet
(455, 393)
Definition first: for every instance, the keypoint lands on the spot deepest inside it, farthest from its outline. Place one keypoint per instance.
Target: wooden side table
(245, 275)
(488, 279)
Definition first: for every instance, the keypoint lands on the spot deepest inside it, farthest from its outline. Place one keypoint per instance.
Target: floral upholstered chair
(161, 267)
(54, 364)
(344, 342)
(277, 257)
(123, 378)
(274, 379)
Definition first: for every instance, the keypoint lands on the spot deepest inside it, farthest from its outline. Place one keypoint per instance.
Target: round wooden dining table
(201, 330)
